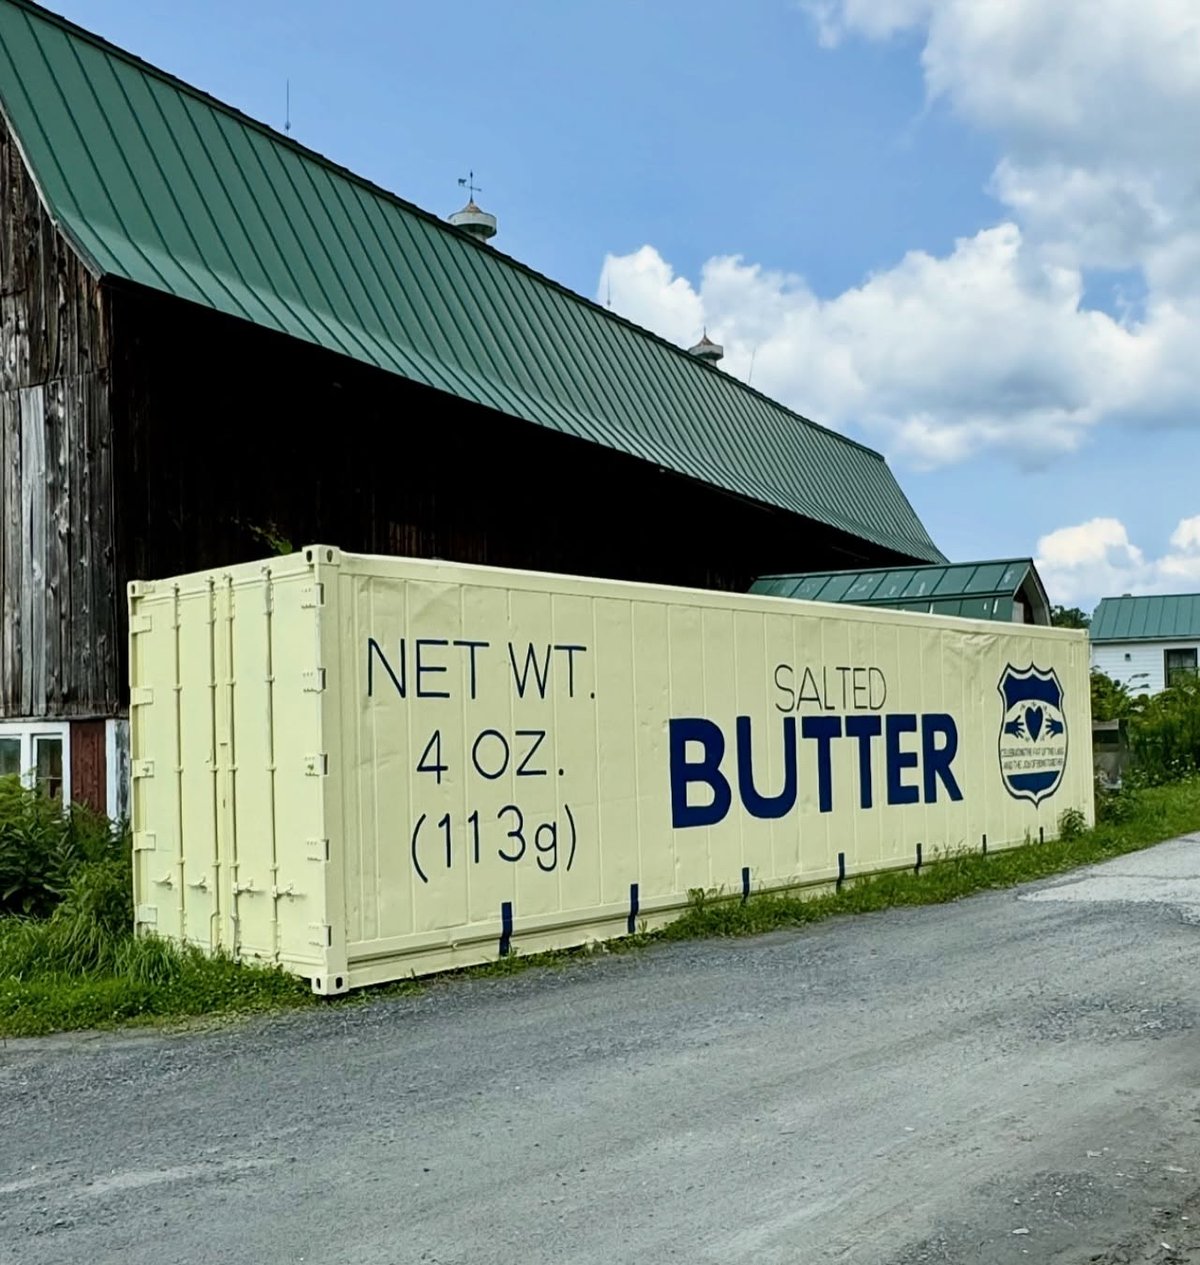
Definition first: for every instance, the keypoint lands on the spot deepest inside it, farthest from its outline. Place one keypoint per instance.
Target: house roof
(976, 590)
(1174, 617)
(158, 184)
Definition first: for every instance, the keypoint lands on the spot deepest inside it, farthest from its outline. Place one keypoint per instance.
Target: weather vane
(468, 182)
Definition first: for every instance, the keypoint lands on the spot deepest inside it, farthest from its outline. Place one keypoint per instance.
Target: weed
(1117, 805)
(83, 967)
(1071, 824)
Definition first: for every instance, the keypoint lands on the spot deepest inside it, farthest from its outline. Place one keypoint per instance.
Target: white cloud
(1187, 535)
(1095, 104)
(878, 19)
(646, 287)
(1083, 563)
(1097, 77)
(934, 358)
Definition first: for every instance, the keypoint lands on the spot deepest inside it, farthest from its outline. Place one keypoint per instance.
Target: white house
(1147, 643)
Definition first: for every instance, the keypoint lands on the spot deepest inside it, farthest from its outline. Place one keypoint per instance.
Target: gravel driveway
(1012, 1078)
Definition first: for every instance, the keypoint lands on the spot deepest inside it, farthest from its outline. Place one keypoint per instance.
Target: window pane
(10, 757)
(1180, 664)
(48, 764)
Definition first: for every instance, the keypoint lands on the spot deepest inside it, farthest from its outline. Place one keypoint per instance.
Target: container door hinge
(140, 624)
(141, 696)
(316, 765)
(321, 934)
(314, 680)
(145, 841)
(318, 849)
(141, 768)
(312, 595)
(146, 915)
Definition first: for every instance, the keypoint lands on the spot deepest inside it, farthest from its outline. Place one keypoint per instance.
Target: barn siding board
(57, 494)
(32, 406)
(12, 553)
(57, 646)
(109, 571)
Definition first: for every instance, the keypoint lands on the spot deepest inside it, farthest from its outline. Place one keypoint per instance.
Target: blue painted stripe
(506, 928)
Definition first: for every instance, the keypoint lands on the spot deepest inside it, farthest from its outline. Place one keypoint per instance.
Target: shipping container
(363, 768)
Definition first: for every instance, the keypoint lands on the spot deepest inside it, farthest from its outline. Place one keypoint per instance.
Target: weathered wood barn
(214, 342)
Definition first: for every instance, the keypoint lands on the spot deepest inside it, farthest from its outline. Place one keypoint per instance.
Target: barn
(215, 343)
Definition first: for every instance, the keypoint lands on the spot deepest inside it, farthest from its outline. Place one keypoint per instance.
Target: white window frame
(1185, 669)
(28, 731)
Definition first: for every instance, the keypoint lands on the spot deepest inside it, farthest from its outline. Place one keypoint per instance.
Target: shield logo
(1033, 732)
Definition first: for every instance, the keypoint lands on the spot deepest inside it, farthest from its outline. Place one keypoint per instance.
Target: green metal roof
(158, 184)
(1164, 618)
(974, 590)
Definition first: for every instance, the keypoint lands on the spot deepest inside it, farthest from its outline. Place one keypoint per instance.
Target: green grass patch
(79, 967)
(59, 975)
(1130, 821)
(196, 986)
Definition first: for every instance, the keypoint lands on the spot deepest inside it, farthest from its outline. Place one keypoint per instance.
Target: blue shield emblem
(1033, 733)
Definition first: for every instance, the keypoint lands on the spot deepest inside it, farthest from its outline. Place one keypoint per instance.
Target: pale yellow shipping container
(364, 768)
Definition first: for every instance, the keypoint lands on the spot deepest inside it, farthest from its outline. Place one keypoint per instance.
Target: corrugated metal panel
(160, 185)
(1159, 618)
(806, 588)
(922, 582)
(990, 586)
(892, 585)
(361, 767)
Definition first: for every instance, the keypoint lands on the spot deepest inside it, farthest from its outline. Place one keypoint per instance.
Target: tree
(1110, 699)
(1069, 617)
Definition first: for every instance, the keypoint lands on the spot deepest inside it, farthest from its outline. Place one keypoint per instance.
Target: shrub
(1071, 824)
(43, 845)
(1111, 699)
(1114, 806)
(1165, 734)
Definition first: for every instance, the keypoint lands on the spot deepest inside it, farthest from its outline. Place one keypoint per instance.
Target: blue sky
(870, 201)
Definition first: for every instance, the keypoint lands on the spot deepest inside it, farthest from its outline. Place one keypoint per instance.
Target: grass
(1155, 814)
(79, 968)
(72, 971)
